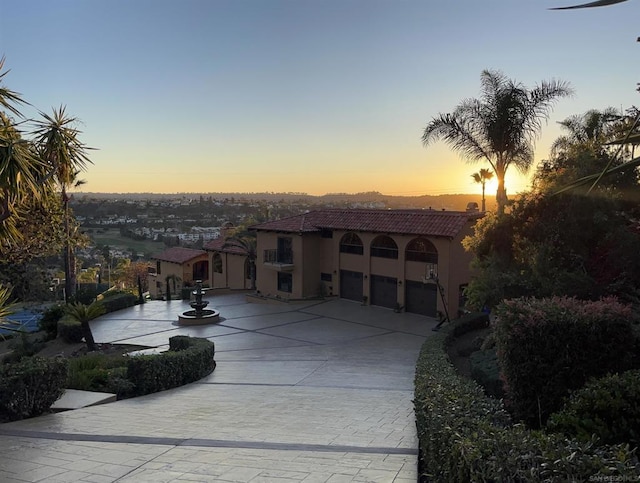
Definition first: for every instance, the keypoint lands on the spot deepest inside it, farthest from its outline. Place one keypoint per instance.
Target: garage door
(351, 285)
(421, 298)
(384, 292)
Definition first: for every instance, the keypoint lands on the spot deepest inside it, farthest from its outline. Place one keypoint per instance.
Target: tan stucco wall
(232, 275)
(158, 284)
(313, 255)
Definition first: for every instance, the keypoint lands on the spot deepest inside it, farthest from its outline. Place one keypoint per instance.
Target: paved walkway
(313, 392)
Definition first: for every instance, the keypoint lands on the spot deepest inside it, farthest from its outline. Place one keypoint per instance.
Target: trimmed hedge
(28, 388)
(608, 408)
(467, 436)
(548, 347)
(188, 359)
(117, 301)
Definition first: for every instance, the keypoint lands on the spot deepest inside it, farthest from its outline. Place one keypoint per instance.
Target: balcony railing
(283, 257)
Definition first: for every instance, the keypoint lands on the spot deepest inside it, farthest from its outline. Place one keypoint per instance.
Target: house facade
(176, 268)
(229, 265)
(408, 260)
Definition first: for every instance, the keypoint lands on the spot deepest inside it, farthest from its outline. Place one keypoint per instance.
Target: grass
(112, 238)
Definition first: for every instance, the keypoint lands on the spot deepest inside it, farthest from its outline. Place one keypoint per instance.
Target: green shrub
(176, 367)
(113, 301)
(28, 388)
(70, 330)
(23, 345)
(49, 320)
(486, 372)
(547, 347)
(101, 373)
(467, 436)
(608, 408)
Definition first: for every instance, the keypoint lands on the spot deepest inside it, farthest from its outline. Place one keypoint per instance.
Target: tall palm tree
(482, 177)
(591, 130)
(246, 242)
(500, 127)
(60, 147)
(9, 98)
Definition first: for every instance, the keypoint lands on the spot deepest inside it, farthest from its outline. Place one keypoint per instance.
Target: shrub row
(28, 388)
(608, 407)
(113, 301)
(548, 347)
(187, 360)
(466, 436)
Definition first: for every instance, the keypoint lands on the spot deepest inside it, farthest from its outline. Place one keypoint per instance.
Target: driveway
(311, 392)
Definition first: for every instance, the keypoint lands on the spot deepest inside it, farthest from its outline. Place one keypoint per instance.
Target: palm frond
(597, 3)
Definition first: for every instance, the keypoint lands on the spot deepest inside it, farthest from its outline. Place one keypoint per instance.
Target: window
(384, 247)
(158, 265)
(285, 282)
(217, 263)
(421, 250)
(351, 243)
(326, 277)
(285, 250)
(326, 233)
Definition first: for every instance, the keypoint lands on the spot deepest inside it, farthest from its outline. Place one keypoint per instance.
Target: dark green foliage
(29, 388)
(486, 372)
(101, 373)
(49, 320)
(118, 301)
(70, 329)
(467, 436)
(608, 408)
(23, 346)
(547, 347)
(582, 246)
(180, 365)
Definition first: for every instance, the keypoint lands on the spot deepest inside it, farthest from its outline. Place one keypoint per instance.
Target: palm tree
(246, 242)
(482, 177)
(591, 130)
(500, 127)
(83, 314)
(59, 146)
(7, 96)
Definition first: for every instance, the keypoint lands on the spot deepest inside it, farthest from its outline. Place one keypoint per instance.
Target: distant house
(180, 267)
(410, 260)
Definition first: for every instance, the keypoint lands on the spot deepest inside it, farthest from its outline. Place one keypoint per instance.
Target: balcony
(280, 260)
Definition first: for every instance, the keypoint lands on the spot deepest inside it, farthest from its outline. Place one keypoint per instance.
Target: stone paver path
(313, 392)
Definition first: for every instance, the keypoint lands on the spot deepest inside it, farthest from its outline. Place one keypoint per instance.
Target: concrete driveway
(311, 392)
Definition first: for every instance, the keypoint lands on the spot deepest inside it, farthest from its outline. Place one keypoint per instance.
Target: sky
(314, 96)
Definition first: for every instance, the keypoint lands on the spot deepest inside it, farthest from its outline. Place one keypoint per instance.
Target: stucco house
(410, 260)
(229, 265)
(180, 267)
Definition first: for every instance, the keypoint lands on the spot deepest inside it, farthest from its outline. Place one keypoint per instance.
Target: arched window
(351, 243)
(384, 247)
(421, 250)
(217, 263)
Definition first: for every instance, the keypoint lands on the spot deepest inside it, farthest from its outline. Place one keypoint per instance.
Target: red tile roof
(217, 244)
(179, 255)
(409, 222)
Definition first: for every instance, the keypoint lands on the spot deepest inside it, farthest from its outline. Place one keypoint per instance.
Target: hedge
(28, 388)
(467, 436)
(548, 347)
(187, 360)
(608, 408)
(113, 301)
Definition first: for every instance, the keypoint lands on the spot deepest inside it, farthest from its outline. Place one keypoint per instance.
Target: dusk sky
(315, 96)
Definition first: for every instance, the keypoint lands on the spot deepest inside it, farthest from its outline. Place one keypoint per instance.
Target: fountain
(199, 315)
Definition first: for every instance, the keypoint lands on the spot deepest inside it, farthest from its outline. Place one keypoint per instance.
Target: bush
(188, 359)
(547, 347)
(486, 372)
(23, 346)
(70, 330)
(113, 301)
(608, 408)
(49, 320)
(29, 388)
(467, 436)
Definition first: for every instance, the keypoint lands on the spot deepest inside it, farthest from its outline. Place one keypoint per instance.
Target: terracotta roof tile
(411, 222)
(179, 255)
(216, 245)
